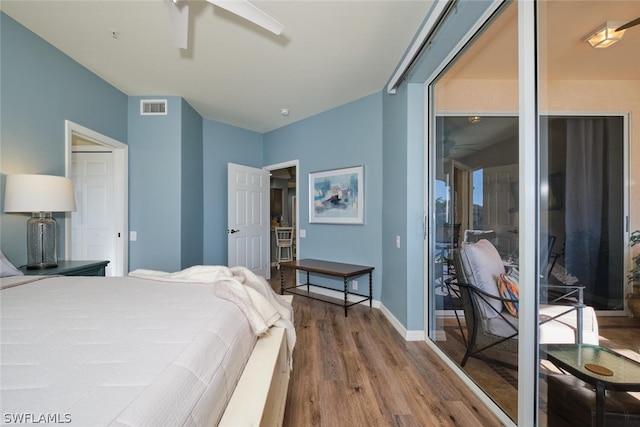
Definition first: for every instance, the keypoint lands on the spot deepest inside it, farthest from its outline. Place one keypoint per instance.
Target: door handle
(232, 231)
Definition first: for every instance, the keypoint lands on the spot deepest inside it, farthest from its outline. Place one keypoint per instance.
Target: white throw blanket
(262, 307)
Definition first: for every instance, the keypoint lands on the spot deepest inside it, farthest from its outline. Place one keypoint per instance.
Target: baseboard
(414, 335)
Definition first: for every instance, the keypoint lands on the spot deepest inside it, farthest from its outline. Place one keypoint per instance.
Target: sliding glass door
(528, 199)
(474, 168)
(584, 194)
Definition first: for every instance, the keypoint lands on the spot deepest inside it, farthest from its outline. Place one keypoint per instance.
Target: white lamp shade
(39, 193)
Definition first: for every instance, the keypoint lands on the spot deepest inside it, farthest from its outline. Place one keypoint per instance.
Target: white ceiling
(330, 53)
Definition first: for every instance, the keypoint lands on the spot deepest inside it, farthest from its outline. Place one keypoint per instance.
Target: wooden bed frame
(261, 393)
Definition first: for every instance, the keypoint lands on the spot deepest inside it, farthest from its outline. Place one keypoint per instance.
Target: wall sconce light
(605, 35)
(41, 195)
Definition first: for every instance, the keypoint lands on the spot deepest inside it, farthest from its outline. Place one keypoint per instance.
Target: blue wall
(41, 88)
(155, 186)
(223, 144)
(404, 130)
(394, 210)
(382, 132)
(191, 200)
(348, 135)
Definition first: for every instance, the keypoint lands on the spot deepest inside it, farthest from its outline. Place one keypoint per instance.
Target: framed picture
(337, 196)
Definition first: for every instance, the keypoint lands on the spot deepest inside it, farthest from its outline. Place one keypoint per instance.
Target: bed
(139, 351)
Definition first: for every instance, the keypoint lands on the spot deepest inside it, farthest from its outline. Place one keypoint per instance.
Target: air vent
(153, 107)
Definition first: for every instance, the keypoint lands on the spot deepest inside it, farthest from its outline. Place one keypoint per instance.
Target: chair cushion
(483, 266)
(508, 287)
(563, 330)
(504, 325)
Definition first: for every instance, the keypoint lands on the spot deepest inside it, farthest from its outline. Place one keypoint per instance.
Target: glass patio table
(598, 366)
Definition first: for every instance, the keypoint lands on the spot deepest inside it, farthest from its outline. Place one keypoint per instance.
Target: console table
(328, 268)
(70, 268)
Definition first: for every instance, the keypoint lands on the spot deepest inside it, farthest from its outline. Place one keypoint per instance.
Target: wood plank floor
(358, 371)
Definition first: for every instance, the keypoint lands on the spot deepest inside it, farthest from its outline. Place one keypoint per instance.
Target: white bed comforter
(261, 306)
(97, 351)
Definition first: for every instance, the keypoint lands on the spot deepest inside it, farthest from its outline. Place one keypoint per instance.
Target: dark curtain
(586, 214)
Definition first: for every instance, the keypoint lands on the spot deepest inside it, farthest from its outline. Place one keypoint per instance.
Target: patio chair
(489, 323)
(472, 236)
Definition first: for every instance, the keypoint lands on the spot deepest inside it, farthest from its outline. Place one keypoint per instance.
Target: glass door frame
(528, 113)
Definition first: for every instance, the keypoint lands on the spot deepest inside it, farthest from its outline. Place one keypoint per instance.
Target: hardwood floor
(358, 371)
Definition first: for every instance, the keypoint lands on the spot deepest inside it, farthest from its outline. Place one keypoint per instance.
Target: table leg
(370, 289)
(580, 315)
(345, 297)
(600, 397)
(281, 281)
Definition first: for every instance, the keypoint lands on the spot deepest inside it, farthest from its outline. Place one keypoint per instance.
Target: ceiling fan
(179, 18)
(450, 144)
(629, 24)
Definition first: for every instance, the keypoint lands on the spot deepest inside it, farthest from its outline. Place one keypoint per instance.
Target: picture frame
(337, 196)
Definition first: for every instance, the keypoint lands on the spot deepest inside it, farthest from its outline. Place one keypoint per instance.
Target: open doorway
(98, 230)
(283, 203)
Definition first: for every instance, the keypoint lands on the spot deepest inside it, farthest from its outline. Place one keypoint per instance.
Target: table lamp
(41, 195)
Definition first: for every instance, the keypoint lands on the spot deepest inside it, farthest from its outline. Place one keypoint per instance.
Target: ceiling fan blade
(251, 13)
(179, 20)
(629, 24)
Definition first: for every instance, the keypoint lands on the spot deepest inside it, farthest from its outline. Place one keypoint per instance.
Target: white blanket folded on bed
(254, 296)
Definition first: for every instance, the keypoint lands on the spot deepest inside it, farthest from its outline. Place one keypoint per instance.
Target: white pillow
(6, 268)
(483, 266)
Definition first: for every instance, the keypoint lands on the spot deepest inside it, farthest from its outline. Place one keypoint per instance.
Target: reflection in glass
(474, 201)
(583, 188)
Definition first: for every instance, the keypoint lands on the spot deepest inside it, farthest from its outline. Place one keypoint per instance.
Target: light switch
(398, 242)
(133, 236)
(303, 233)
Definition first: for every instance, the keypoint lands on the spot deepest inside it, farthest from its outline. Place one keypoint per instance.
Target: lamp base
(41, 241)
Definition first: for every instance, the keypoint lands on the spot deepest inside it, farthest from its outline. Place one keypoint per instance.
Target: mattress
(95, 351)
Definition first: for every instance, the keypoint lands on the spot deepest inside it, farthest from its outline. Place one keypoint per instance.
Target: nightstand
(70, 268)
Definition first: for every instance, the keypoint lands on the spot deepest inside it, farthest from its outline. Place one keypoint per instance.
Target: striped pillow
(508, 287)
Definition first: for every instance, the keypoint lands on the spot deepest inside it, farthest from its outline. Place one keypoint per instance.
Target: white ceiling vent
(153, 107)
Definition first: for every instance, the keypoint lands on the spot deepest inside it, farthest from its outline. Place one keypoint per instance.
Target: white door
(248, 218)
(93, 225)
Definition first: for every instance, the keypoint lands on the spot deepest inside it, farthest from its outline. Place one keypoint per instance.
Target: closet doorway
(98, 230)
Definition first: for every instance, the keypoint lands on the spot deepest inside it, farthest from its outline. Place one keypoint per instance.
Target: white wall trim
(408, 335)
